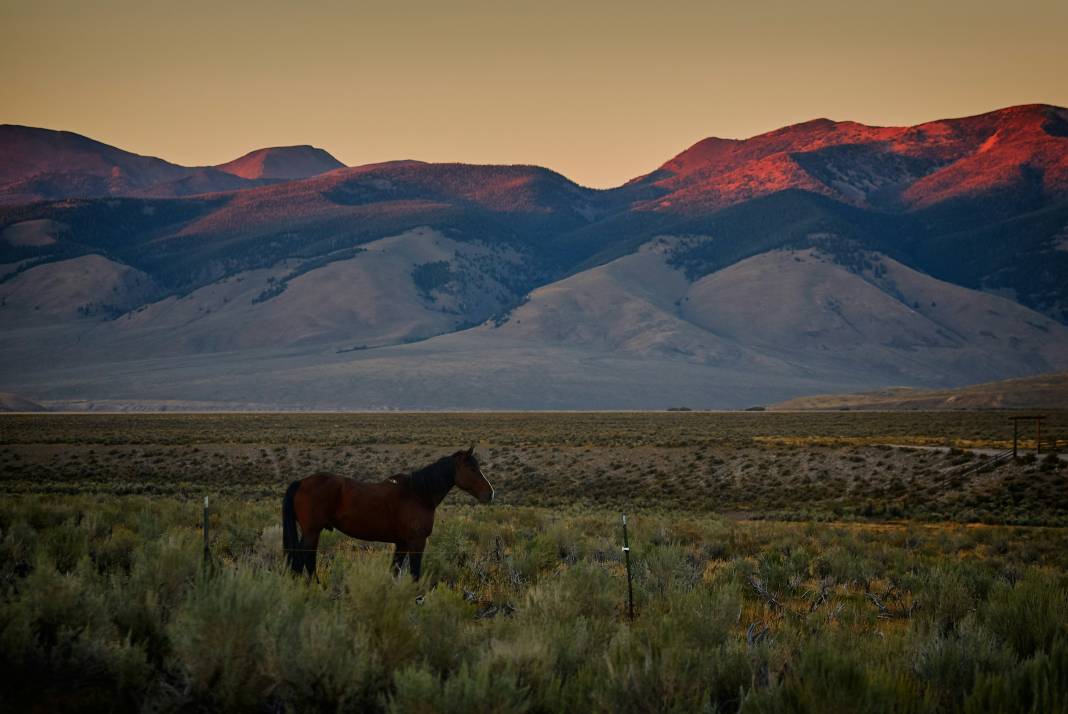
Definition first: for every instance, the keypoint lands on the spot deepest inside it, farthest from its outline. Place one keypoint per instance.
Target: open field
(782, 563)
(797, 466)
(106, 607)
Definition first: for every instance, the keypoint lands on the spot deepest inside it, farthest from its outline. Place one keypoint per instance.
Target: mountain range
(821, 257)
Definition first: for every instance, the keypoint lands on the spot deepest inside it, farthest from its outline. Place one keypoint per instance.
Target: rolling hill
(1044, 391)
(825, 256)
(15, 403)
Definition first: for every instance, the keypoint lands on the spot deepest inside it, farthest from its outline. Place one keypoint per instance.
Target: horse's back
(362, 510)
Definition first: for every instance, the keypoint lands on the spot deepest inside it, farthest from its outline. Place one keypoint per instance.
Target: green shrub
(1036, 686)
(219, 637)
(316, 658)
(583, 591)
(949, 663)
(384, 606)
(55, 627)
(1029, 615)
(64, 545)
(444, 618)
(18, 548)
(867, 619)
(945, 598)
(828, 677)
(471, 690)
(117, 551)
(643, 675)
(663, 569)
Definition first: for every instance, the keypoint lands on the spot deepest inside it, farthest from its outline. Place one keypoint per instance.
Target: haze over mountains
(822, 257)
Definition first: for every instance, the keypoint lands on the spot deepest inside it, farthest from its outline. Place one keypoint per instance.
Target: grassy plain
(782, 563)
(825, 466)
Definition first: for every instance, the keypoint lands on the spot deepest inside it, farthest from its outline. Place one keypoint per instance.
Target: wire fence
(358, 546)
(1051, 444)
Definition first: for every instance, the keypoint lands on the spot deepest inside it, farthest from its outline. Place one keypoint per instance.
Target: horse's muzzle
(487, 497)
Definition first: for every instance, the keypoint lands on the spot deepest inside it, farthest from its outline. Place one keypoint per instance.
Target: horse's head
(469, 475)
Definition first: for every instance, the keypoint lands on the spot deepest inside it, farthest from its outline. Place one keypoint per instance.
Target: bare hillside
(398, 289)
(90, 286)
(15, 403)
(792, 312)
(1045, 391)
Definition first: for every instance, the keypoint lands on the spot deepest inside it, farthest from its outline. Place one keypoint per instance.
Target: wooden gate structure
(1037, 419)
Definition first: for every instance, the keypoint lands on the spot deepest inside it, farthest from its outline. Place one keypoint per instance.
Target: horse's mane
(434, 480)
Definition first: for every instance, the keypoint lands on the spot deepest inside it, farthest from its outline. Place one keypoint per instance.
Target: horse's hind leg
(400, 559)
(410, 553)
(309, 550)
(416, 560)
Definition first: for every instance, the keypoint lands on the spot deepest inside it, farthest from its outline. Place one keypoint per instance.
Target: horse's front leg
(412, 552)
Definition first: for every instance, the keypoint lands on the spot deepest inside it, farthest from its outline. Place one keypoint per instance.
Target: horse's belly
(367, 531)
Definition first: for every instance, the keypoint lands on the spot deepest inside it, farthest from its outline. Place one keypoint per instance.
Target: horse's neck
(433, 482)
(437, 496)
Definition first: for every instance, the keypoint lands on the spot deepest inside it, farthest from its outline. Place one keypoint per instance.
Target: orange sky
(600, 91)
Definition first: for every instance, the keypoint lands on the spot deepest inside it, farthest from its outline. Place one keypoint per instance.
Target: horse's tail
(291, 542)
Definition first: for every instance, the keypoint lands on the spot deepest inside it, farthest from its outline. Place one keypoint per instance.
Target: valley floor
(780, 562)
(781, 465)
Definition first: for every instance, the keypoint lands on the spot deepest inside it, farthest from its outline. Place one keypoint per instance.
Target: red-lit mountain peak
(1016, 150)
(867, 165)
(282, 163)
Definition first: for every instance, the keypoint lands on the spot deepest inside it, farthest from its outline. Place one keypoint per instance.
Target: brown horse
(399, 510)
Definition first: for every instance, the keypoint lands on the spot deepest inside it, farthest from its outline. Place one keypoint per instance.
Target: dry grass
(750, 465)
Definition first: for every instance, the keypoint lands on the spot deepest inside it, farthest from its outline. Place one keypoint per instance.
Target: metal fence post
(207, 547)
(626, 556)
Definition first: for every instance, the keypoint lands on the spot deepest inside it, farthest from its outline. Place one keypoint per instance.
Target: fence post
(207, 547)
(626, 557)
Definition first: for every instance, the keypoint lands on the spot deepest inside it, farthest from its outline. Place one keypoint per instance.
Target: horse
(399, 510)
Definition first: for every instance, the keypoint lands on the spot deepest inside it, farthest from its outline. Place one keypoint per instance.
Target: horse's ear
(471, 451)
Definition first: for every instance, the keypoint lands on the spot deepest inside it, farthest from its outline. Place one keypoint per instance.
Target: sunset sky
(600, 91)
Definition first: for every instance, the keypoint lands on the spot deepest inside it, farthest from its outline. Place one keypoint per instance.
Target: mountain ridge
(718, 172)
(48, 164)
(365, 272)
